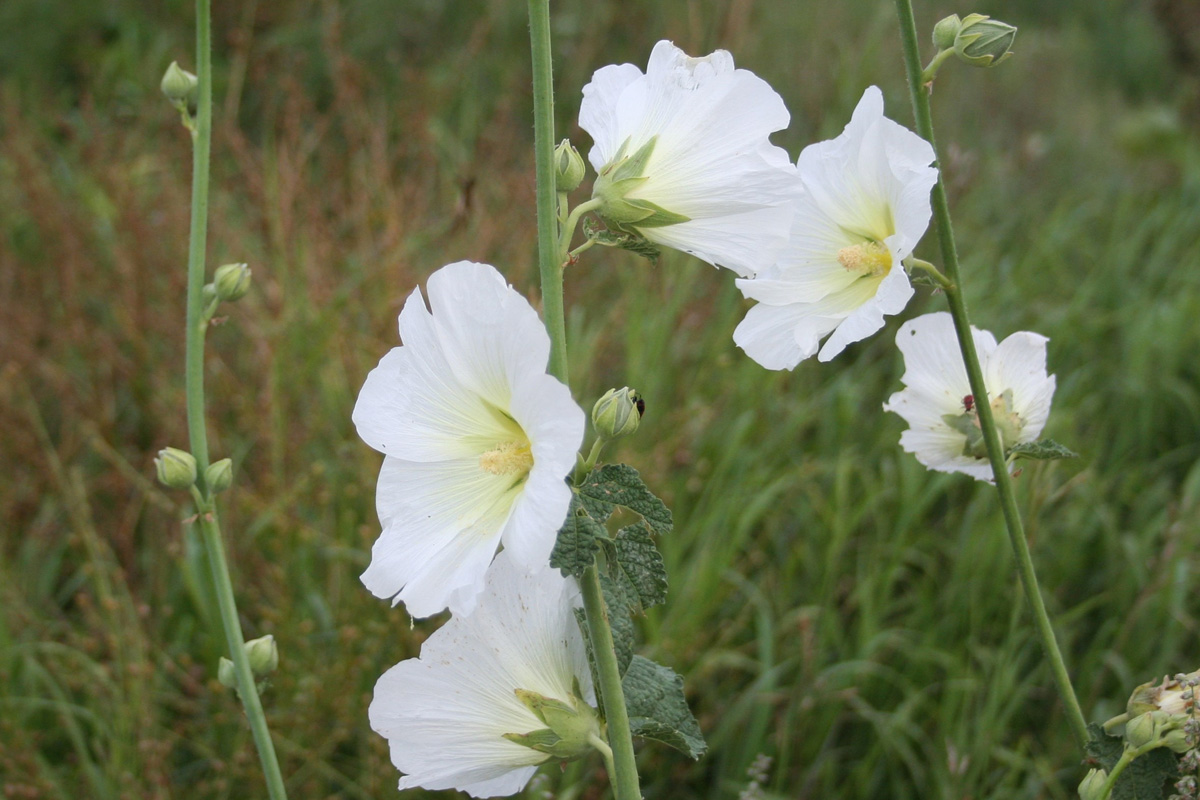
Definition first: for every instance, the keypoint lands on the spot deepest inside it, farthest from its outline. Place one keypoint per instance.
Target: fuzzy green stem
(550, 260)
(197, 324)
(549, 264)
(930, 72)
(616, 716)
(962, 326)
(568, 230)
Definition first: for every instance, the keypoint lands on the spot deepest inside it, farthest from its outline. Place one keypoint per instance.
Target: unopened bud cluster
(976, 39)
(569, 169)
(262, 654)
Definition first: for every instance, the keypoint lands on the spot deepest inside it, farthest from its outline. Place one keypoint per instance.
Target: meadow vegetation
(833, 605)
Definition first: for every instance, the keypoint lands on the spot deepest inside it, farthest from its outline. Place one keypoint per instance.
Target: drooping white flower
(937, 402)
(863, 208)
(684, 159)
(446, 714)
(478, 440)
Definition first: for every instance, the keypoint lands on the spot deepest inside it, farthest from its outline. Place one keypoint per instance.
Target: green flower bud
(1141, 730)
(263, 655)
(219, 475)
(569, 168)
(618, 413)
(1177, 740)
(945, 31)
(176, 468)
(570, 726)
(1092, 786)
(983, 41)
(226, 674)
(232, 281)
(179, 85)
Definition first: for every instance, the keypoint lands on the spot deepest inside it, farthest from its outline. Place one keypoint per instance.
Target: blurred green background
(834, 607)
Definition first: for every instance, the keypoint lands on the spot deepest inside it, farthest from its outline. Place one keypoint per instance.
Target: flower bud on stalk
(945, 31)
(231, 282)
(618, 413)
(982, 41)
(569, 168)
(219, 476)
(176, 468)
(179, 85)
(262, 654)
(1092, 786)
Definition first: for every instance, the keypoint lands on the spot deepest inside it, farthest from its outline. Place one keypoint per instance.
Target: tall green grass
(833, 605)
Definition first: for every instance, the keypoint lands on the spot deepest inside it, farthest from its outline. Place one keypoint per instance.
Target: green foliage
(632, 242)
(640, 564)
(620, 603)
(576, 544)
(658, 708)
(1042, 450)
(1150, 777)
(620, 485)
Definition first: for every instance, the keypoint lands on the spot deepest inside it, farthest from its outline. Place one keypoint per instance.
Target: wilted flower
(863, 208)
(944, 432)
(477, 437)
(455, 718)
(683, 156)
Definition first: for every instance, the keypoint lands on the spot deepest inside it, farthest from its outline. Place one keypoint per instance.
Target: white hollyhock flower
(863, 208)
(683, 156)
(937, 402)
(451, 715)
(478, 440)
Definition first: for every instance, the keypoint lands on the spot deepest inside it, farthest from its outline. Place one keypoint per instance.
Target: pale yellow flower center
(868, 258)
(509, 458)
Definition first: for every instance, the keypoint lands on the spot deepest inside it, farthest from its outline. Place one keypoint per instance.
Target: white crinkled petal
(445, 714)
(891, 295)
(1019, 363)
(598, 111)
(743, 242)
(768, 334)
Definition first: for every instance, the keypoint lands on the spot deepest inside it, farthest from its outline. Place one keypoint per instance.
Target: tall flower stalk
(552, 256)
(198, 314)
(919, 88)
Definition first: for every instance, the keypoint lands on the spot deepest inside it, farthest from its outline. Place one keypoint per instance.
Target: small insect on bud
(175, 468)
(618, 413)
(569, 168)
(983, 41)
(179, 85)
(232, 281)
(945, 31)
(263, 655)
(219, 476)
(1092, 786)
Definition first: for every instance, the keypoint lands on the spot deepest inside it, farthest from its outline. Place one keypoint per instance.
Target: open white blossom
(937, 402)
(445, 715)
(863, 208)
(478, 440)
(684, 159)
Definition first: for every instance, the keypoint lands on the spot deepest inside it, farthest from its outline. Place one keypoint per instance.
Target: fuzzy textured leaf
(576, 543)
(642, 565)
(658, 709)
(620, 618)
(1042, 450)
(620, 485)
(1150, 777)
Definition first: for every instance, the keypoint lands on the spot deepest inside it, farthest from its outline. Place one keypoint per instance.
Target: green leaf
(581, 620)
(1150, 777)
(1043, 450)
(658, 709)
(642, 565)
(620, 485)
(575, 546)
(620, 619)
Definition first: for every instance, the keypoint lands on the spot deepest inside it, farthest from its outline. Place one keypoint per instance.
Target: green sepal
(624, 168)
(544, 741)
(642, 565)
(658, 709)
(614, 485)
(632, 242)
(966, 425)
(576, 543)
(1149, 777)
(1042, 450)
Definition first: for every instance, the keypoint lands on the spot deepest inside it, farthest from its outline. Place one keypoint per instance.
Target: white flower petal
(891, 295)
(766, 334)
(712, 159)
(445, 714)
(936, 386)
(479, 440)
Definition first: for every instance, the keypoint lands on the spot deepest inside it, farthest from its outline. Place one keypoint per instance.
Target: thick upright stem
(962, 326)
(197, 431)
(551, 257)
